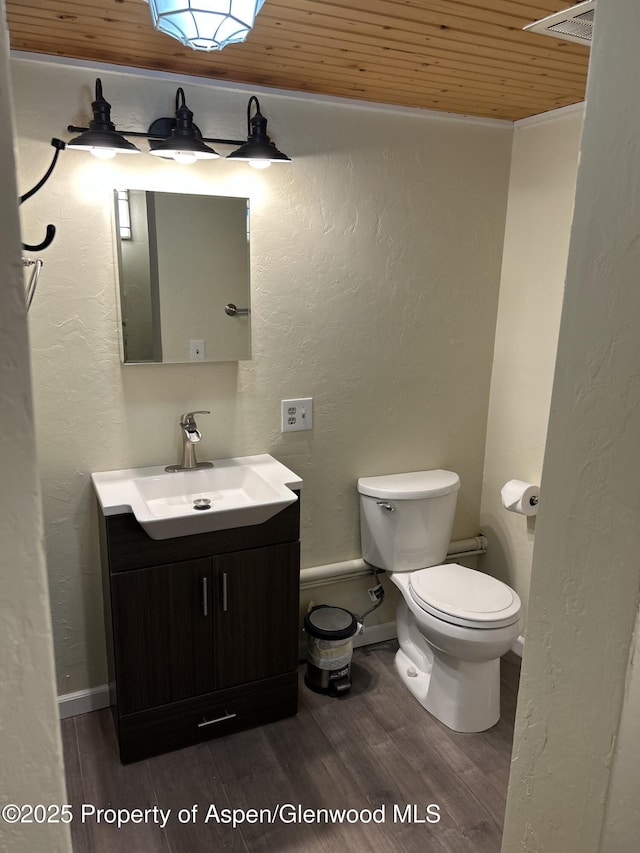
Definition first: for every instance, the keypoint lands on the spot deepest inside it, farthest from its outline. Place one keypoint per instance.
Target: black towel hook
(59, 145)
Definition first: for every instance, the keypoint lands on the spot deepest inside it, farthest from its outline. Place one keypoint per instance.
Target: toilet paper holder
(520, 497)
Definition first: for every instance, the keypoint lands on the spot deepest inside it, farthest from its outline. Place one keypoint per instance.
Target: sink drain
(202, 503)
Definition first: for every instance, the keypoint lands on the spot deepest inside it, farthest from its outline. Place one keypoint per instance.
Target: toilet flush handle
(386, 505)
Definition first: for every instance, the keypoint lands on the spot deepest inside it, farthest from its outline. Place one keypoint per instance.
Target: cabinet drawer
(180, 724)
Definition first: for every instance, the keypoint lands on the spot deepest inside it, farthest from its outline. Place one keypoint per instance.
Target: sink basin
(236, 492)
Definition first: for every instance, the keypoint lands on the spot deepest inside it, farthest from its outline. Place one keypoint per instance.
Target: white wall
(541, 193)
(195, 286)
(375, 269)
(31, 765)
(621, 825)
(586, 568)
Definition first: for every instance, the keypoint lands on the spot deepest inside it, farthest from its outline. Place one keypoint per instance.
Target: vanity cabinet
(202, 630)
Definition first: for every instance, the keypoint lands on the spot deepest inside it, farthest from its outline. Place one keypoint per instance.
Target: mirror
(182, 259)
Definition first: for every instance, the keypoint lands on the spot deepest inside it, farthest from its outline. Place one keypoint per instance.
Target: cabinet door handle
(225, 599)
(205, 597)
(206, 722)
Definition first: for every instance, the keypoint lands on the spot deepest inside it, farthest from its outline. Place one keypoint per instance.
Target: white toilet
(453, 623)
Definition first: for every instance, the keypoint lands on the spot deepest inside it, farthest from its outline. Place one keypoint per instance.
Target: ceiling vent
(574, 24)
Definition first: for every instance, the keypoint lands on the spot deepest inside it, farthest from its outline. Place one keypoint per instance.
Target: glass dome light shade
(205, 24)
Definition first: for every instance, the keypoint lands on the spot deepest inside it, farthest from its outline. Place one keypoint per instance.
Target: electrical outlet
(196, 350)
(376, 593)
(297, 414)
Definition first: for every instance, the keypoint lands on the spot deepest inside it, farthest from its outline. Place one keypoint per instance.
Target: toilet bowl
(453, 623)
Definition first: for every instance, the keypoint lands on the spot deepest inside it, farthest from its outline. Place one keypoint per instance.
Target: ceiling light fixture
(205, 24)
(176, 138)
(259, 151)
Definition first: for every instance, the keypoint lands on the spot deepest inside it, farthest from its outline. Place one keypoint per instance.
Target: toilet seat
(465, 597)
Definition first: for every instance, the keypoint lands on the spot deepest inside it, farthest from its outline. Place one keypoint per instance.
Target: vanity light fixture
(259, 151)
(101, 137)
(205, 24)
(176, 138)
(179, 139)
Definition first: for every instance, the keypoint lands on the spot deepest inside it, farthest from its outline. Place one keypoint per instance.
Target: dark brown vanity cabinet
(202, 630)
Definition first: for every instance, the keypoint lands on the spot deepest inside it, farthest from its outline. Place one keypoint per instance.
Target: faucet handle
(188, 418)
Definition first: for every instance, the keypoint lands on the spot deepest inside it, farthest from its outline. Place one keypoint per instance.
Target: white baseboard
(518, 646)
(83, 701)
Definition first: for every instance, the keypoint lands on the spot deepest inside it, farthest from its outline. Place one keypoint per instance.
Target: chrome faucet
(190, 437)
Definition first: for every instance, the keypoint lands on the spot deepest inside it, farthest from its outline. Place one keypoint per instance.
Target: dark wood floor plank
(487, 749)
(480, 761)
(254, 779)
(397, 709)
(417, 739)
(75, 791)
(323, 780)
(374, 747)
(485, 778)
(110, 785)
(186, 779)
(379, 768)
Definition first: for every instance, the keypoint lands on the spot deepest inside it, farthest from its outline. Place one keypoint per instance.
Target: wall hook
(59, 145)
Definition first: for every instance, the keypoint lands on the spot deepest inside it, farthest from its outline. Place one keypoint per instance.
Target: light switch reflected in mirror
(181, 260)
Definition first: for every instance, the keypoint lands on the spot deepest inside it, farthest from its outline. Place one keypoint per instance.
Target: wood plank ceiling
(461, 56)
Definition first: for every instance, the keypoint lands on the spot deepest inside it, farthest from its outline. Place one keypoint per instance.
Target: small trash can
(329, 648)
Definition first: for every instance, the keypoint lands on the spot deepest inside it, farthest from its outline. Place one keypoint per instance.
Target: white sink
(236, 492)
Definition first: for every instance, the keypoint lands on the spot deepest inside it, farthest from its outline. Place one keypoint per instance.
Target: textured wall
(375, 268)
(541, 192)
(621, 827)
(586, 566)
(31, 768)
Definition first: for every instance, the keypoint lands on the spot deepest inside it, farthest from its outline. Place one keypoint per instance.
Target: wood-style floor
(373, 748)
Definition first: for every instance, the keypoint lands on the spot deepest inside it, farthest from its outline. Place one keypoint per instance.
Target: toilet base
(465, 696)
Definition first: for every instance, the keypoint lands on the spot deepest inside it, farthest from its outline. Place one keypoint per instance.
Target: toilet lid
(464, 596)
(414, 485)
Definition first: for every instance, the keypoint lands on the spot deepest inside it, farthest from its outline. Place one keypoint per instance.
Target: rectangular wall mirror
(182, 259)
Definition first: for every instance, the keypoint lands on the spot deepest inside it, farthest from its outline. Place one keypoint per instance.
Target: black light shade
(258, 150)
(102, 139)
(179, 138)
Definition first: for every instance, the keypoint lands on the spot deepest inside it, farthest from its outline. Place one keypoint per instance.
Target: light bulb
(104, 153)
(185, 157)
(260, 164)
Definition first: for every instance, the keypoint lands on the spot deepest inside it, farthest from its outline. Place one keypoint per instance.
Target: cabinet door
(256, 613)
(162, 633)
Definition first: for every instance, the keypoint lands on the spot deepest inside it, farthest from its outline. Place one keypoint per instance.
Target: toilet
(453, 623)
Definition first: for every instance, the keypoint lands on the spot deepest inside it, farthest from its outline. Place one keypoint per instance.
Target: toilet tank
(406, 519)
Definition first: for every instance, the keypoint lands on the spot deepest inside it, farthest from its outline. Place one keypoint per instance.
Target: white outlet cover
(196, 350)
(297, 414)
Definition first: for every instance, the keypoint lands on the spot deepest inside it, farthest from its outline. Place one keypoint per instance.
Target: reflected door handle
(232, 311)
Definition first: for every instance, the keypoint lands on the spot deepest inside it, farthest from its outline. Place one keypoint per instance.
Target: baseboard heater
(348, 569)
